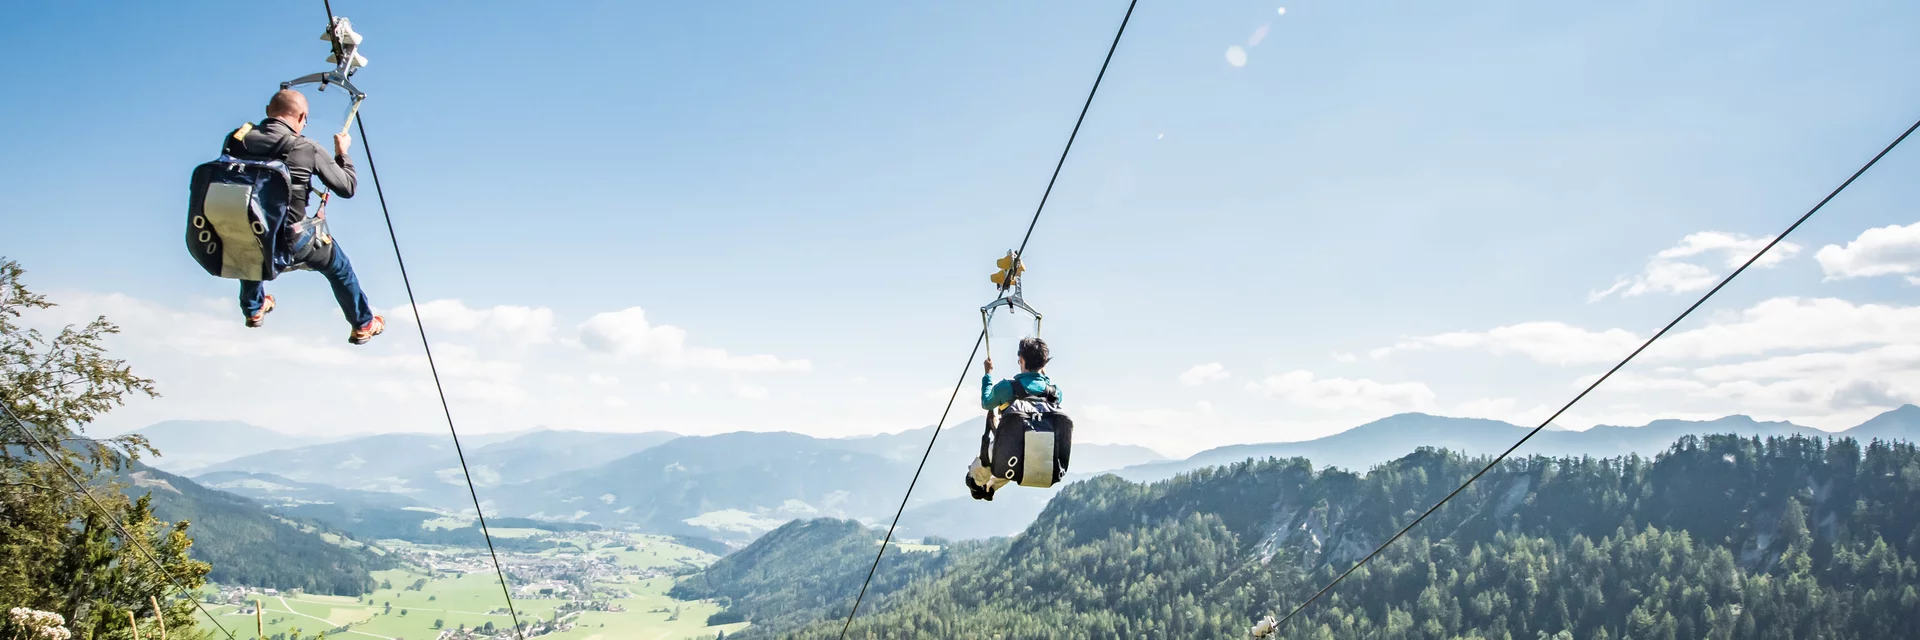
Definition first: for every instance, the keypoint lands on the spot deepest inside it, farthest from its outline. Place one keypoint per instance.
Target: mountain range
(1715, 537)
(1389, 438)
(740, 485)
(427, 468)
(192, 445)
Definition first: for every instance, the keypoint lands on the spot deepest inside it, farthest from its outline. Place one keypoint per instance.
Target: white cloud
(1822, 361)
(1547, 342)
(615, 401)
(206, 363)
(598, 380)
(1771, 326)
(628, 333)
(1204, 373)
(1679, 269)
(1879, 361)
(1795, 324)
(1891, 250)
(1236, 56)
(750, 392)
(516, 324)
(1342, 394)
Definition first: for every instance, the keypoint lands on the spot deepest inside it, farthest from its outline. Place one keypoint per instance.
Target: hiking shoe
(365, 334)
(260, 317)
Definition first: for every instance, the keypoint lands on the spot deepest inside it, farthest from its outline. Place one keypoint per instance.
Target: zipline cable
(420, 324)
(1603, 378)
(964, 372)
(137, 543)
(1122, 30)
(1022, 251)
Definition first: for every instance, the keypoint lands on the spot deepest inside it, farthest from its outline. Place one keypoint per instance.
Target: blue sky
(826, 185)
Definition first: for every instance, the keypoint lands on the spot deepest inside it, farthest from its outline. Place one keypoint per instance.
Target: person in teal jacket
(1033, 363)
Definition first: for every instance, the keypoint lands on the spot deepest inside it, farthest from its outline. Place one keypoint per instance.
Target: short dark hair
(1034, 352)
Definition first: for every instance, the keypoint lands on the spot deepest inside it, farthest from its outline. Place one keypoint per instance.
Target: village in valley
(586, 585)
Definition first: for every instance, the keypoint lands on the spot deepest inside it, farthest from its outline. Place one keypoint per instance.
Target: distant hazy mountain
(186, 446)
(735, 483)
(274, 490)
(425, 466)
(400, 463)
(965, 518)
(1389, 438)
(540, 454)
(1899, 424)
(738, 485)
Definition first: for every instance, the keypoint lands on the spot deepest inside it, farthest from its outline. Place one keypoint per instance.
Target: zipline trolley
(346, 59)
(1007, 278)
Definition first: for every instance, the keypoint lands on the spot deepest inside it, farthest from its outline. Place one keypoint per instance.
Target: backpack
(1032, 439)
(239, 219)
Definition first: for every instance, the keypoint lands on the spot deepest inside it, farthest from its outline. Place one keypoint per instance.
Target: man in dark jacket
(287, 116)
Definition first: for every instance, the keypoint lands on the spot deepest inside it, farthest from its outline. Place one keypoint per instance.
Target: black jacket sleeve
(334, 170)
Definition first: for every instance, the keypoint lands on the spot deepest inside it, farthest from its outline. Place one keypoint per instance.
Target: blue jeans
(339, 273)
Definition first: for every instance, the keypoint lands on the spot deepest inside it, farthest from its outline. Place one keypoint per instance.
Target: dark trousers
(339, 273)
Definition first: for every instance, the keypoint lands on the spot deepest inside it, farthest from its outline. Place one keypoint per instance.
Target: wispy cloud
(1204, 373)
(511, 323)
(628, 333)
(1345, 394)
(1554, 343)
(1695, 264)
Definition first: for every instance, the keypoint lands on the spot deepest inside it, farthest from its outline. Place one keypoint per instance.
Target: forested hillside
(1718, 537)
(249, 546)
(803, 570)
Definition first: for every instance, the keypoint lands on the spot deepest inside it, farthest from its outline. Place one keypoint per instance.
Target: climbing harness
(346, 59)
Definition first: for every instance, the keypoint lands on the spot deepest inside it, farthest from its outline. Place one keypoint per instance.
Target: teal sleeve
(993, 395)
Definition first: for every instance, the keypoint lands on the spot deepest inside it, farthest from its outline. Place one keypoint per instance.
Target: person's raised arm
(336, 171)
(991, 395)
